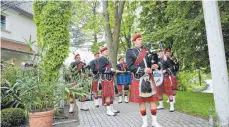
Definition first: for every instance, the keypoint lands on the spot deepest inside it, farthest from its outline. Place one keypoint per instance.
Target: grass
(194, 103)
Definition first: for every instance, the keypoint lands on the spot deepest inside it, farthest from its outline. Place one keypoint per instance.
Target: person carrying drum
(94, 67)
(123, 80)
(166, 88)
(107, 77)
(77, 71)
(143, 88)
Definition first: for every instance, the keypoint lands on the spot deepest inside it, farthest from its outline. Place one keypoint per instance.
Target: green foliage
(181, 22)
(88, 19)
(81, 88)
(10, 95)
(52, 19)
(95, 47)
(196, 104)
(128, 28)
(12, 117)
(189, 80)
(29, 91)
(9, 72)
(9, 87)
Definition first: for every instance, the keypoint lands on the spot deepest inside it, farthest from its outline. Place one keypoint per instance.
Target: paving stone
(129, 116)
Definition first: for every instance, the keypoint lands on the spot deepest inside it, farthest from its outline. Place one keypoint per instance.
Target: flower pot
(41, 119)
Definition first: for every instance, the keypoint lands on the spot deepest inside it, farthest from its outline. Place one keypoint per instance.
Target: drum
(123, 79)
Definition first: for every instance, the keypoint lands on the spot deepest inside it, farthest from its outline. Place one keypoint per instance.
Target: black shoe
(70, 112)
(172, 110)
(126, 102)
(120, 102)
(117, 112)
(86, 109)
(97, 106)
(160, 108)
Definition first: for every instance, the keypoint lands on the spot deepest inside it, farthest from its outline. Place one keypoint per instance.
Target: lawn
(194, 103)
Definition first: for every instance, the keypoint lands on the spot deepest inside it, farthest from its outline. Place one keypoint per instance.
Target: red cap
(168, 50)
(77, 55)
(103, 49)
(136, 36)
(96, 53)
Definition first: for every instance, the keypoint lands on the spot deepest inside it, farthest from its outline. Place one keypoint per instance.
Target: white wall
(18, 26)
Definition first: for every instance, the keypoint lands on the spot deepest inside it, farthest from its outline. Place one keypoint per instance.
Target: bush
(12, 117)
(9, 88)
(189, 81)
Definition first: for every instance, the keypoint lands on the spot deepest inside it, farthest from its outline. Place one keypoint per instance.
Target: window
(3, 22)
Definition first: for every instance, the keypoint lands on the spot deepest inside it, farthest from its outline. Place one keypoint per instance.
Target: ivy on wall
(52, 19)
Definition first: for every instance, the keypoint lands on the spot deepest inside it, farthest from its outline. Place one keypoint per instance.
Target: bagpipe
(158, 75)
(154, 48)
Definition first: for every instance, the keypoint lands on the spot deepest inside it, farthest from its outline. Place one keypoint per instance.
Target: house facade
(17, 25)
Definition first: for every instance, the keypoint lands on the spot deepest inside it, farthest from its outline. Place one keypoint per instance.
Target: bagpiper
(166, 88)
(173, 73)
(77, 71)
(107, 81)
(143, 88)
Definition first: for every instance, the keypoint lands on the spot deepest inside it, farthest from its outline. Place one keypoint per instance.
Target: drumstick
(117, 71)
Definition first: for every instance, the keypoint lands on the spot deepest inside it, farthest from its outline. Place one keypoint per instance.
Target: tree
(77, 37)
(182, 23)
(113, 38)
(88, 19)
(128, 21)
(96, 46)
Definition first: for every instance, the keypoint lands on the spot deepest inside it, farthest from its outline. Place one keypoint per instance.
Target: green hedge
(189, 80)
(52, 19)
(12, 117)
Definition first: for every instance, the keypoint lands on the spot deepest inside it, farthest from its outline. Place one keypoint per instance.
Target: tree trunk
(128, 40)
(113, 44)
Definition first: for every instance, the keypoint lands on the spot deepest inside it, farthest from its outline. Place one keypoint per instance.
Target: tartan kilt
(107, 90)
(174, 82)
(95, 86)
(165, 87)
(134, 93)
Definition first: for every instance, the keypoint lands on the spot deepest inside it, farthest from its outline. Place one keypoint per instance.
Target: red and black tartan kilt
(95, 86)
(165, 87)
(120, 88)
(174, 82)
(134, 93)
(107, 90)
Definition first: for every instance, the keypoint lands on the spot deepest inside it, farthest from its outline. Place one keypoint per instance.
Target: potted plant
(37, 94)
(27, 88)
(42, 95)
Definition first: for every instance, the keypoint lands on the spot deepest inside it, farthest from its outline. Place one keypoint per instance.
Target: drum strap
(141, 56)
